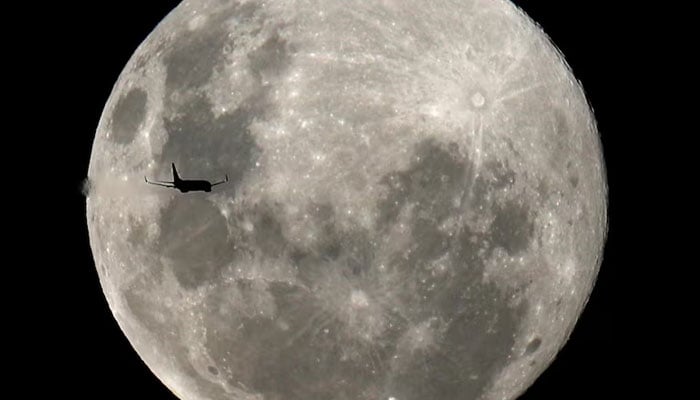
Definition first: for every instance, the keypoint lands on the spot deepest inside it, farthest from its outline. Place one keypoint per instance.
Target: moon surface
(416, 207)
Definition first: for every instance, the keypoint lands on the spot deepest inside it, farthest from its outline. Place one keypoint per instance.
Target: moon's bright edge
(416, 207)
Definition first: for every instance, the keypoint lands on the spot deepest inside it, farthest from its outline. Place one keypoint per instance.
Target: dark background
(81, 349)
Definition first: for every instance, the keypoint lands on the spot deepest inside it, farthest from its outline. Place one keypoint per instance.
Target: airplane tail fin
(176, 177)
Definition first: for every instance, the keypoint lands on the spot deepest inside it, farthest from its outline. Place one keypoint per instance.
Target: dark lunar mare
(128, 115)
(199, 140)
(193, 56)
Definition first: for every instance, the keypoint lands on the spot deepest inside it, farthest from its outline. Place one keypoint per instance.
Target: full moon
(416, 204)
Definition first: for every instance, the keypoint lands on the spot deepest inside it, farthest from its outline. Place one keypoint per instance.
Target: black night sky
(89, 357)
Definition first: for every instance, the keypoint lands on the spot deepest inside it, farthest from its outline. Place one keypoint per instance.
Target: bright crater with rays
(416, 207)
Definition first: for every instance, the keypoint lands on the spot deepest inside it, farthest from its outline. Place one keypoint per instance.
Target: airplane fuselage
(185, 186)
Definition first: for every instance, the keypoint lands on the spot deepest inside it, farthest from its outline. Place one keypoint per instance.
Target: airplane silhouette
(186, 185)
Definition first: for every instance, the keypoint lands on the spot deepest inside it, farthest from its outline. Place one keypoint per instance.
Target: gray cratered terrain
(416, 206)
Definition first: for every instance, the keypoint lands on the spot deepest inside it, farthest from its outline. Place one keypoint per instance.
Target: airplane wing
(159, 183)
(220, 182)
